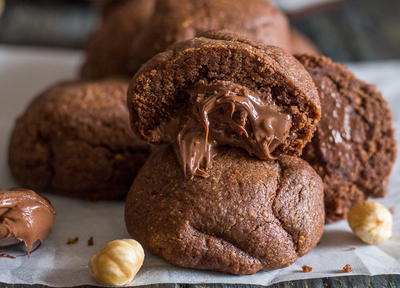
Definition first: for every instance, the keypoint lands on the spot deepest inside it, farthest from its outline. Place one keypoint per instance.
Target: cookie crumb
(301, 239)
(351, 249)
(306, 269)
(347, 268)
(5, 255)
(90, 242)
(72, 240)
(392, 210)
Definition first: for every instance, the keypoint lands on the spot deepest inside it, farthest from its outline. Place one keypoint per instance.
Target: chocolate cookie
(302, 45)
(220, 89)
(177, 20)
(249, 215)
(74, 139)
(354, 148)
(108, 49)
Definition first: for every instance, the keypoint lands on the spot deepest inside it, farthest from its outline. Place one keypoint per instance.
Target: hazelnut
(117, 263)
(371, 222)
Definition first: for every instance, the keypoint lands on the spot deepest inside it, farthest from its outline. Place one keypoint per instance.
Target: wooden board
(381, 281)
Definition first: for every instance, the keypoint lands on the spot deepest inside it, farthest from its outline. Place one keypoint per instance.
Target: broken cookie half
(224, 90)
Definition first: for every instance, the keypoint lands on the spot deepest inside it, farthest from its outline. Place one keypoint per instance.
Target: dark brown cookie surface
(223, 90)
(74, 139)
(177, 20)
(109, 47)
(250, 215)
(354, 148)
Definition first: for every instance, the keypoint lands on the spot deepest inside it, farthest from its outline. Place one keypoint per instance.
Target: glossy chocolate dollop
(223, 113)
(24, 216)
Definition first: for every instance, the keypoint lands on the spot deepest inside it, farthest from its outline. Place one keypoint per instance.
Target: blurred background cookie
(74, 139)
(109, 48)
(249, 215)
(351, 30)
(177, 20)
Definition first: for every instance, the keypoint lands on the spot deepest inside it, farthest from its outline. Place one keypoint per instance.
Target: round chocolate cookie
(223, 90)
(108, 49)
(354, 148)
(249, 215)
(74, 139)
(302, 45)
(177, 20)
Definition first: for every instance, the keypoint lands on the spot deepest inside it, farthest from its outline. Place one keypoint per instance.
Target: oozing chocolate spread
(223, 113)
(24, 216)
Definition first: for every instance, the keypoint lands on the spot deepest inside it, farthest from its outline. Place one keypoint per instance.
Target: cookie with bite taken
(222, 89)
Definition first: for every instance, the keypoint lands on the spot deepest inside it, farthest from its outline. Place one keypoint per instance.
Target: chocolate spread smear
(223, 113)
(24, 216)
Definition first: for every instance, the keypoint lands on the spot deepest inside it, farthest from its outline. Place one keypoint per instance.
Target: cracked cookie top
(249, 215)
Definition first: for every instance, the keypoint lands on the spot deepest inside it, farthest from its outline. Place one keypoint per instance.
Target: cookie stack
(228, 191)
(253, 149)
(224, 194)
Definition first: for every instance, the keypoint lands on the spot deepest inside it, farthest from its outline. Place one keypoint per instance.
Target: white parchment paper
(25, 72)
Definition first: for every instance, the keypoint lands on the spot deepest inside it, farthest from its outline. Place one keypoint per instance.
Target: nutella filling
(222, 113)
(24, 216)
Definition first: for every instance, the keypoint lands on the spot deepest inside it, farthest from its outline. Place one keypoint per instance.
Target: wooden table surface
(381, 281)
(356, 30)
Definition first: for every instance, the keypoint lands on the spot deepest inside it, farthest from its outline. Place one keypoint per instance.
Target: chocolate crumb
(351, 249)
(5, 255)
(90, 242)
(72, 241)
(347, 268)
(306, 268)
